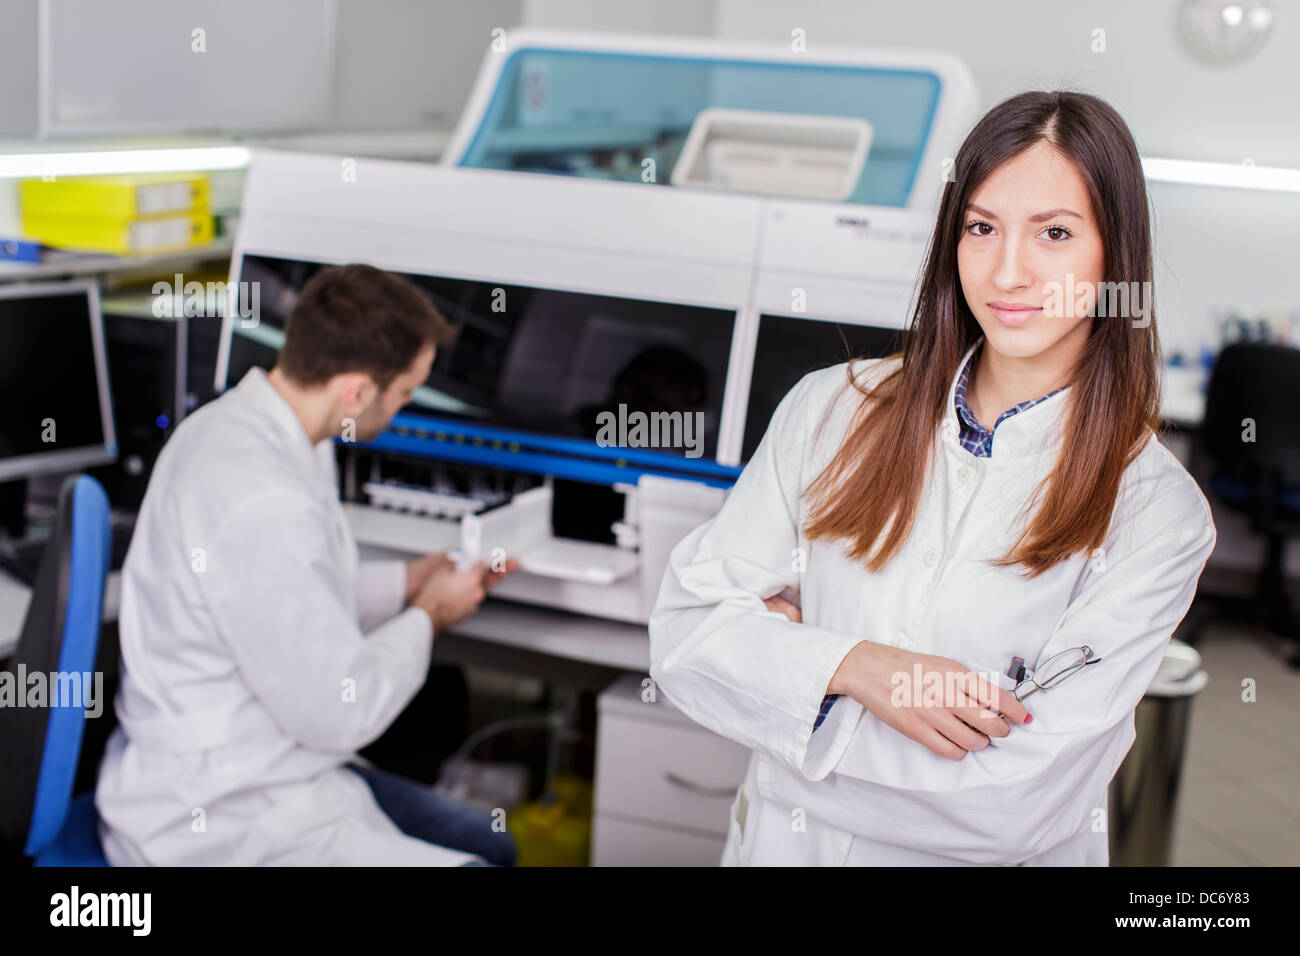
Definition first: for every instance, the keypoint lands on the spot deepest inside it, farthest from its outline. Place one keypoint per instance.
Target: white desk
(1184, 402)
(557, 633)
(15, 596)
(560, 634)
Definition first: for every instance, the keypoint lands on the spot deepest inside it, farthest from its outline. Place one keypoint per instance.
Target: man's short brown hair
(356, 318)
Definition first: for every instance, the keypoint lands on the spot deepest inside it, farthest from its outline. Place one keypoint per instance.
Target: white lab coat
(258, 656)
(857, 791)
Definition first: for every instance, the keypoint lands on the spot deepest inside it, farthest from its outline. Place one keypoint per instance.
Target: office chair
(40, 746)
(1260, 383)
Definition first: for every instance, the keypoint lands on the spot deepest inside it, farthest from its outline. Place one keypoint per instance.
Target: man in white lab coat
(258, 655)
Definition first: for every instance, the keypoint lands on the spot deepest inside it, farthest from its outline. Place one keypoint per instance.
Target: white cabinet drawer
(667, 771)
(619, 842)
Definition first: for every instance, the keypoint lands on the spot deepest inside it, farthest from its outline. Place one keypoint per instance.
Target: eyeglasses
(1054, 670)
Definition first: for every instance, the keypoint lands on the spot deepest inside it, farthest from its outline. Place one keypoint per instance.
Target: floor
(1239, 801)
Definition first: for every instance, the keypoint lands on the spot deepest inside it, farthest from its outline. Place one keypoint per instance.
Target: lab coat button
(900, 639)
(965, 473)
(931, 558)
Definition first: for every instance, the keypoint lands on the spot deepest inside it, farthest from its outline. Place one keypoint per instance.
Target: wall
(396, 64)
(1214, 246)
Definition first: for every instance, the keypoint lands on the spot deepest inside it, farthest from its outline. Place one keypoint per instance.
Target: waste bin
(1144, 791)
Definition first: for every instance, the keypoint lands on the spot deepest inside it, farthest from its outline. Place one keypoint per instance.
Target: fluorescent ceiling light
(108, 162)
(1231, 175)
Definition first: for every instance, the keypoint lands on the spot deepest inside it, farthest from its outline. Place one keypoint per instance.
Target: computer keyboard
(22, 558)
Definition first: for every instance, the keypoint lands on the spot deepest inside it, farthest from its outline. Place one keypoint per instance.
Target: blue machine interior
(598, 114)
(520, 387)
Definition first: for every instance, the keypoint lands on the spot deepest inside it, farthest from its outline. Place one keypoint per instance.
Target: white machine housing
(748, 254)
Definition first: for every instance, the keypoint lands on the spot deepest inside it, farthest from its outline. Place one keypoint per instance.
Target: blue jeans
(419, 812)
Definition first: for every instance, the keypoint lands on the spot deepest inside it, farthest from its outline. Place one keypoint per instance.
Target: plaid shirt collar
(973, 436)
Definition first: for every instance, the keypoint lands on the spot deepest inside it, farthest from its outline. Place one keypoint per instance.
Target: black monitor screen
(789, 348)
(539, 360)
(49, 387)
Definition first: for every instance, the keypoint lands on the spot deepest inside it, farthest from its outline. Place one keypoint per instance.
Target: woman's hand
(952, 710)
(959, 714)
(782, 606)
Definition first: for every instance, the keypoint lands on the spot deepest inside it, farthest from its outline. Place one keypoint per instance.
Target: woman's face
(1030, 239)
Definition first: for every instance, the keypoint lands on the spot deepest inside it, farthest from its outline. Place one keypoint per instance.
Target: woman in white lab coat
(996, 491)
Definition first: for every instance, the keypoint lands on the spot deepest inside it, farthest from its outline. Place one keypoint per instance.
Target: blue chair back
(61, 634)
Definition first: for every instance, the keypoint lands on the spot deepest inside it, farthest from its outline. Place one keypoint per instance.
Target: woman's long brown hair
(869, 493)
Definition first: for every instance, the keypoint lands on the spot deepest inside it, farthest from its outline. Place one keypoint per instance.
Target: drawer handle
(699, 788)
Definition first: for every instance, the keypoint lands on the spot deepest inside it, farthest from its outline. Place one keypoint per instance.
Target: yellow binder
(115, 197)
(122, 237)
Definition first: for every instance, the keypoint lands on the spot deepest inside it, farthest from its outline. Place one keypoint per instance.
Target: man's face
(374, 418)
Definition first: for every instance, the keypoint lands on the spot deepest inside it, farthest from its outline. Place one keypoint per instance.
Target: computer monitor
(534, 360)
(54, 385)
(147, 357)
(788, 348)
